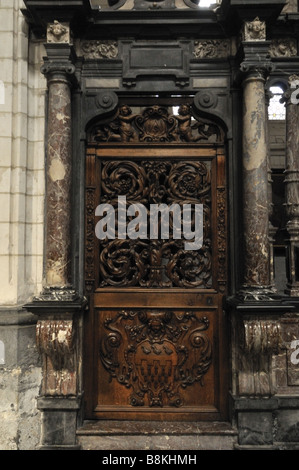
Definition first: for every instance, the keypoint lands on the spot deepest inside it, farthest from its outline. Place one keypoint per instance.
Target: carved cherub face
(257, 26)
(57, 29)
(184, 110)
(125, 111)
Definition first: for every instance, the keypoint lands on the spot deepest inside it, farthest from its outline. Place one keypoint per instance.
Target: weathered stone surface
(287, 426)
(256, 227)
(255, 428)
(142, 435)
(20, 378)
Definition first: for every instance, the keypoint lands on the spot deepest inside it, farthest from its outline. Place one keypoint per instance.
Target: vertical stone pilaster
(58, 307)
(292, 187)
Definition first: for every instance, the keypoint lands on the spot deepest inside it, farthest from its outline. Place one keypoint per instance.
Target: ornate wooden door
(155, 333)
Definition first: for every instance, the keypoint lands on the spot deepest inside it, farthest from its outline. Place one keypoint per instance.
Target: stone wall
(22, 107)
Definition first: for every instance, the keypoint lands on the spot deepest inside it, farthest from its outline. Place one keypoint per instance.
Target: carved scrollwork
(157, 124)
(149, 262)
(156, 354)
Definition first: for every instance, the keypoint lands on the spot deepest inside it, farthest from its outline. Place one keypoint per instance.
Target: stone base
(129, 435)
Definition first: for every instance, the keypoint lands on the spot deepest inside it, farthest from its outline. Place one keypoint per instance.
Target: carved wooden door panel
(155, 333)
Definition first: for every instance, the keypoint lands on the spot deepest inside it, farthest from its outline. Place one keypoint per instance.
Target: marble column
(58, 174)
(59, 306)
(272, 229)
(255, 184)
(292, 186)
(255, 66)
(59, 70)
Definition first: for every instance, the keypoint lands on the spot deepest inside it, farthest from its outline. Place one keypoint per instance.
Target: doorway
(155, 333)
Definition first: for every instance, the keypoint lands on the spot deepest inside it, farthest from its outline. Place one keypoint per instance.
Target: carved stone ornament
(283, 48)
(254, 30)
(95, 49)
(55, 342)
(211, 49)
(156, 354)
(58, 33)
(57, 294)
(262, 336)
(55, 339)
(293, 80)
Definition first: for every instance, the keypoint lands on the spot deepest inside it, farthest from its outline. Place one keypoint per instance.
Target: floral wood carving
(156, 124)
(156, 354)
(156, 263)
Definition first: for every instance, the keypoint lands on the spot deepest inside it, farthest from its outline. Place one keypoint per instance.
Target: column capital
(59, 62)
(257, 62)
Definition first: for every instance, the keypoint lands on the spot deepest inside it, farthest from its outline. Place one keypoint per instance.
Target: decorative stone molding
(52, 294)
(211, 49)
(205, 99)
(283, 48)
(94, 49)
(254, 30)
(58, 33)
(262, 336)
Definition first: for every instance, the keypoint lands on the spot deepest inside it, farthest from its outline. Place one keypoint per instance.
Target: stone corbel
(261, 337)
(260, 341)
(56, 344)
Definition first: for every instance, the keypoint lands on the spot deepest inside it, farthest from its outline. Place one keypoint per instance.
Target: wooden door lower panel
(158, 359)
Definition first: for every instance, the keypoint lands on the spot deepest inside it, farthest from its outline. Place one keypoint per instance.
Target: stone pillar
(58, 307)
(255, 163)
(255, 183)
(272, 229)
(59, 70)
(292, 186)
